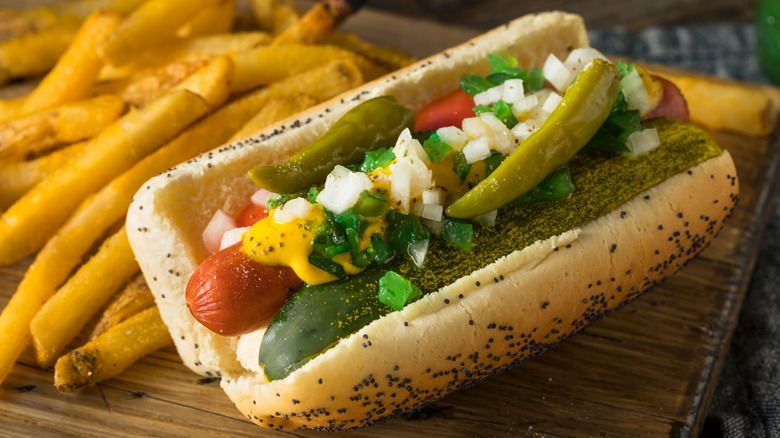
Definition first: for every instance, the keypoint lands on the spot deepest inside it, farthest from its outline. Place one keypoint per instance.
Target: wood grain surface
(647, 370)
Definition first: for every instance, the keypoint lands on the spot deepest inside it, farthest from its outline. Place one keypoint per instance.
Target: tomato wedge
(248, 215)
(448, 110)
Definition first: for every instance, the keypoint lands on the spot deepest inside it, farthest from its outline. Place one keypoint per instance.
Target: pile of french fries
(131, 88)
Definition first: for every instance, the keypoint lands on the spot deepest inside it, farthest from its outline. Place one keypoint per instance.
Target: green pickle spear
(373, 124)
(584, 108)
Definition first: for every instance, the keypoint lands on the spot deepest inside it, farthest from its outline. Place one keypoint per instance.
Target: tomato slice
(247, 216)
(448, 110)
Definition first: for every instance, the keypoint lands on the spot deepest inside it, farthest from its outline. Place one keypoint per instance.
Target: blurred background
(631, 14)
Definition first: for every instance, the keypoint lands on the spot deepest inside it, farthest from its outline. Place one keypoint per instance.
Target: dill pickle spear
(371, 125)
(584, 108)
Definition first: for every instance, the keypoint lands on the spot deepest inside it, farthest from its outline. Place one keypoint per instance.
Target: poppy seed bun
(444, 341)
(497, 317)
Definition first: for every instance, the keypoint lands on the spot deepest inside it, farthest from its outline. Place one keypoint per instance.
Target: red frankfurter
(672, 103)
(231, 294)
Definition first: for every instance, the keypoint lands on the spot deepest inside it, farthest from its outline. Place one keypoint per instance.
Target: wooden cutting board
(649, 369)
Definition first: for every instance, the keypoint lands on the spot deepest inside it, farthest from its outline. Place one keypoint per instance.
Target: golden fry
(217, 19)
(35, 53)
(184, 50)
(135, 297)
(66, 313)
(82, 8)
(712, 104)
(274, 16)
(315, 26)
(265, 65)
(18, 22)
(18, 178)
(112, 352)
(73, 76)
(211, 82)
(388, 57)
(153, 22)
(11, 108)
(35, 217)
(277, 109)
(150, 87)
(68, 123)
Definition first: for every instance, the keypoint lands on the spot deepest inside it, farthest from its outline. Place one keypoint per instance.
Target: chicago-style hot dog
(537, 276)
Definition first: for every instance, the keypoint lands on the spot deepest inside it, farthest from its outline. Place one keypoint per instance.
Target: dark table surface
(711, 36)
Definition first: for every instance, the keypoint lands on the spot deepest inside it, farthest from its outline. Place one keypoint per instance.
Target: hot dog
(475, 324)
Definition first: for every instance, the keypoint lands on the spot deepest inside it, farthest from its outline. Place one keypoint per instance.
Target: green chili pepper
(584, 108)
(370, 205)
(373, 124)
(396, 291)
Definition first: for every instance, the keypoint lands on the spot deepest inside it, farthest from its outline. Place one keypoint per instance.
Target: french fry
(318, 23)
(153, 22)
(68, 123)
(758, 106)
(211, 82)
(35, 217)
(142, 91)
(276, 109)
(217, 19)
(83, 8)
(66, 313)
(16, 179)
(35, 53)
(388, 57)
(18, 22)
(198, 76)
(11, 108)
(265, 65)
(135, 297)
(183, 50)
(274, 16)
(73, 76)
(112, 352)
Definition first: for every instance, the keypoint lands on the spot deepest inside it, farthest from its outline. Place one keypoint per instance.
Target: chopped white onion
(261, 198)
(488, 219)
(432, 212)
(491, 95)
(556, 73)
(218, 225)
(476, 149)
(433, 196)
(551, 102)
(476, 127)
(231, 237)
(525, 104)
(417, 252)
(409, 178)
(578, 58)
(641, 142)
(342, 188)
(299, 207)
(522, 130)
(503, 140)
(453, 136)
(406, 146)
(634, 90)
(282, 216)
(400, 182)
(513, 91)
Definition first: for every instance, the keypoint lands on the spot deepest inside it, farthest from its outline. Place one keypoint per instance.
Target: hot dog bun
(449, 339)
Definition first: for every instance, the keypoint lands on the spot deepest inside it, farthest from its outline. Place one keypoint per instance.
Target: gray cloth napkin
(747, 398)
